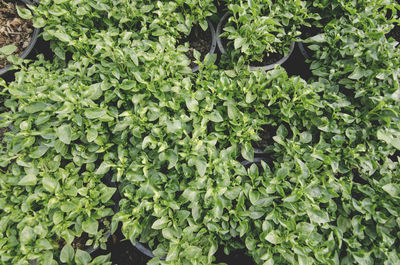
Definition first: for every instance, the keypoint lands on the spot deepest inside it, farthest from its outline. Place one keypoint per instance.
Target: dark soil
(266, 137)
(2, 131)
(198, 40)
(268, 59)
(13, 29)
(307, 32)
(394, 33)
(80, 242)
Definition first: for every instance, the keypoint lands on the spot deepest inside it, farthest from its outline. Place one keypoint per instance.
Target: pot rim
(32, 43)
(213, 44)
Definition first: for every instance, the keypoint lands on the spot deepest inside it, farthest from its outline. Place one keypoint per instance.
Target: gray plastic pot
(28, 49)
(213, 44)
(303, 50)
(252, 68)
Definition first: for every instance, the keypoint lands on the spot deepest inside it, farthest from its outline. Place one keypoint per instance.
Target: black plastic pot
(213, 44)
(31, 45)
(253, 68)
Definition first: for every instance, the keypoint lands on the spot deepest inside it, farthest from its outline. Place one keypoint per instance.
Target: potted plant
(262, 31)
(17, 34)
(188, 22)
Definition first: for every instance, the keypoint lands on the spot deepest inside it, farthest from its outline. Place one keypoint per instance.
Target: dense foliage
(119, 103)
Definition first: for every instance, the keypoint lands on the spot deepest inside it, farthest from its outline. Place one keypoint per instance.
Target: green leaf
(82, 257)
(168, 233)
(27, 235)
(273, 237)
(68, 206)
(28, 180)
(49, 184)
(24, 12)
(318, 38)
(44, 244)
(95, 113)
(239, 42)
(248, 152)
(392, 188)
(160, 223)
(107, 193)
(357, 73)
(201, 166)
(90, 226)
(192, 104)
(62, 37)
(192, 252)
(38, 151)
(35, 107)
(8, 49)
(91, 134)
(64, 133)
(390, 137)
(318, 216)
(67, 254)
(215, 116)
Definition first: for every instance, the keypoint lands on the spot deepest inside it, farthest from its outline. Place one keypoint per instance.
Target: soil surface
(307, 32)
(2, 131)
(13, 29)
(266, 137)
(394, 33)
(198, 40)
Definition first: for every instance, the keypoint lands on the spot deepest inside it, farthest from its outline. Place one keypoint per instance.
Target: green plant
(260, 27)
(52, 196)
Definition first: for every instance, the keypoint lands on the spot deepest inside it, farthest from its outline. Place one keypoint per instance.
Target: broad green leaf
(215, 116)
(160, 223)
(24, 13)
(27, 235)
(107, 193)
(82, 257)
(63, 37)
(38, 151)
(49, 184)
(44, 244)
(318, 216)
(28, 180)
(35, 107)
(392, 188)
(192, 104)
(357, 73)
(67, 254)
(95, 113)
(201, 166)
(274, 237)
(64, 133)
(8, 49)
(247, 152)
(239, 42)
(91, 134)
(90, 226)
(318, 38)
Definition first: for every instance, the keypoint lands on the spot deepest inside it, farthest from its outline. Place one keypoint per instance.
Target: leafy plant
(259, 27)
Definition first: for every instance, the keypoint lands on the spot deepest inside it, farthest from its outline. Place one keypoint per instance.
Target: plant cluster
(262, 27)
(127, 107)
